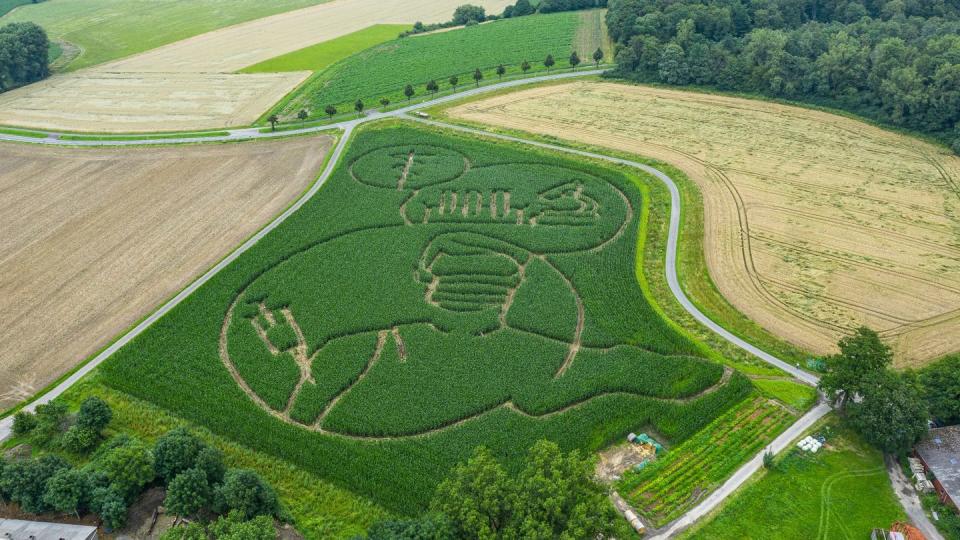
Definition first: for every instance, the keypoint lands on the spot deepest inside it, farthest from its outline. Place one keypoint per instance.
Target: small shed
(940, 455)
(15, 529)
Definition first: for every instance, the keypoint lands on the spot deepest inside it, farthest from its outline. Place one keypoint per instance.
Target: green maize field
(438, 293)
(384, 70)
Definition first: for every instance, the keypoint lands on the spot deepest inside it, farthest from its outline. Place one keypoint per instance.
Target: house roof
(941, 452)
(22, 530)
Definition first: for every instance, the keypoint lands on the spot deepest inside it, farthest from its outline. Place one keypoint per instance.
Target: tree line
(469, 14)
(115, 471)
(894, 61)
(24, 50)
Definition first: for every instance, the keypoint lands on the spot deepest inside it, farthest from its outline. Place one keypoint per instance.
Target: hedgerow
(409, 337)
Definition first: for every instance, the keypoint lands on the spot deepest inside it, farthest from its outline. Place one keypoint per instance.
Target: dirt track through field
(814, 223)
(94, 239)
(193, 84)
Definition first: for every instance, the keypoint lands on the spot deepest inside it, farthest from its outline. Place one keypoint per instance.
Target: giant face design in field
(453, 300)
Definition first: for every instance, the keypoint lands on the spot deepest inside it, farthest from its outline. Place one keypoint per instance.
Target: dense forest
(895, 61)
(23, 55)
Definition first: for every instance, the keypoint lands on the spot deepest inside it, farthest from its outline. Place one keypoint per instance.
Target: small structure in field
(15, 529)
(940, 455)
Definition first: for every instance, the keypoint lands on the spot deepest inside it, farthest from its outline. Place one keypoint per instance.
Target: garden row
(670, 486)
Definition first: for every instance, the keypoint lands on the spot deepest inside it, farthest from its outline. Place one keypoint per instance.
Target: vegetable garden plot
(428, 300)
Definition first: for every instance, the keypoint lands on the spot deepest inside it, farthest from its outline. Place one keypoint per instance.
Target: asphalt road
(903, 488)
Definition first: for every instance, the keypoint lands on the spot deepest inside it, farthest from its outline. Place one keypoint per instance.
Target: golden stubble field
(814, 223)
(193, 84)
(95, 239)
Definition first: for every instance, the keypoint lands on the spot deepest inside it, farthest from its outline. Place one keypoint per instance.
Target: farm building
(15, 529)
(940, 454)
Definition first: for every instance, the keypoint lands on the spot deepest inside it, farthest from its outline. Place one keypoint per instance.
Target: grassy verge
(671, 485)
(840, 492)
(321, 55)
(145, 137)
(792, 394)
(23, 133)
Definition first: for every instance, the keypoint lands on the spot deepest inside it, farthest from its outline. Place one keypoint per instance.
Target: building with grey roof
(15, 529)
(940, 454)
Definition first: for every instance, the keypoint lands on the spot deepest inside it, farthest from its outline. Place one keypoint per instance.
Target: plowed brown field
(95, 239)
(814, 223)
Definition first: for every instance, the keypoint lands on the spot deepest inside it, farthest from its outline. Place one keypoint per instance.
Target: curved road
(709, 504)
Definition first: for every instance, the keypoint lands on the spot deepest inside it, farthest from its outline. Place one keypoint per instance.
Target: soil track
(193, 84)
(95, 239)
(815, 223)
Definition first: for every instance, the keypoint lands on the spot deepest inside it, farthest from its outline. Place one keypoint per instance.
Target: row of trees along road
(895, 61)
(432, 86)
(24, 51)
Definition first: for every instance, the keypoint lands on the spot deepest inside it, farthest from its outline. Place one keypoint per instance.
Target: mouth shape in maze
(450, 309)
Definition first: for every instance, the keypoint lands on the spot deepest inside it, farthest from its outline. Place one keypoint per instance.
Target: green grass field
(384, 70)
(320, 56)
(110, 29)
(793, 394)
(6, 6)
(670, 486)
(842, 492)
(439, 293)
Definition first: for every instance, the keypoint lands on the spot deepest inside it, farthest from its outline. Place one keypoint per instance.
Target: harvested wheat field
(193, 84)
(814, 223)
(95, 239)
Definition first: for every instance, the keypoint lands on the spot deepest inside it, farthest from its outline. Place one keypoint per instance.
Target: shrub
(176, 452)
(79, 440)
(26, 481)
(94, 414)
(51, 418)
(23, 423)
(67, 490)
(188, 493)
(128, 468)
(235, 527)
(245, 492)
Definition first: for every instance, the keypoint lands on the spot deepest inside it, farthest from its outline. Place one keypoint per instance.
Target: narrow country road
(903, 489)
(706, 506)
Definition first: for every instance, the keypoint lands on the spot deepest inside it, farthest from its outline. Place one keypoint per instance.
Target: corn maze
(437, 294)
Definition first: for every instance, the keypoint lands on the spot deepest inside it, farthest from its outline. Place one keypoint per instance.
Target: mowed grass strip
(384, 70)
(321, 55)
(109, 29)
(673, 484)
(840, 492)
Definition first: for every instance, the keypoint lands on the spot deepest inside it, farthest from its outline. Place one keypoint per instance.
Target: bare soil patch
(95, 239)
(192, 84)
(815, 223)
